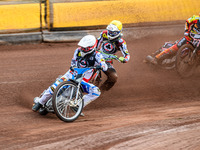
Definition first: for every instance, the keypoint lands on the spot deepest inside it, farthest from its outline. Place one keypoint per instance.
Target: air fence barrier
(68, 20)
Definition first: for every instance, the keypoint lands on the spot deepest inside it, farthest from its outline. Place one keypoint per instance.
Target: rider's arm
(124, 50)
(101, 38)
(187, 27)
(101, 61)
(99, 41)
(73, 61)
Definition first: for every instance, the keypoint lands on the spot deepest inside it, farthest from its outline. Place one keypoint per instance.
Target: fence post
(49, 14)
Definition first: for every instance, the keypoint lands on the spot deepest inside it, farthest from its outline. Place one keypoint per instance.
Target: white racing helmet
(114, 29)
(88, 44)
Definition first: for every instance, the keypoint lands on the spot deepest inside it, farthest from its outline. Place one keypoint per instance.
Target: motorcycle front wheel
(186, 62)
(65, 104)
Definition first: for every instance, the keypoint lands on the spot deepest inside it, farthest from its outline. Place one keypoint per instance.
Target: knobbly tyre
(188, 57)
(167, 63)
(67, 100)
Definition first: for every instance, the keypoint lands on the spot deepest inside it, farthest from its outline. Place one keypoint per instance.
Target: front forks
(77, 100)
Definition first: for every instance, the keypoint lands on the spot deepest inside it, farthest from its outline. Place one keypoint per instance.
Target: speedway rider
(192, 25)
(109, 42)
(84, 56)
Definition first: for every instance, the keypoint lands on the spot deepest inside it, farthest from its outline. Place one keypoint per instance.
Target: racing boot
(152, 60)
(36, 107)
(43, 111)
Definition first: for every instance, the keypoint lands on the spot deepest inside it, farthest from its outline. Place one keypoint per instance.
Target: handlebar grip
(98, 67)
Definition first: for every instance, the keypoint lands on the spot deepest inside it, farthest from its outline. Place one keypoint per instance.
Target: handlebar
(109, 56)
(79, 73)
(98, 67)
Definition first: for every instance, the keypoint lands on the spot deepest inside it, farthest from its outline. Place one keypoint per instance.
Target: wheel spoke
(71, 93)
(65, 111)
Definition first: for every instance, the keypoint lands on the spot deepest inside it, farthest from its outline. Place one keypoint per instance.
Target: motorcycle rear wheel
(185, 63)
(63, 100)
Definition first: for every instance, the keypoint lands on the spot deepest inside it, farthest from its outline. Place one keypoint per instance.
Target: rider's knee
(96, 91)
(113, 77)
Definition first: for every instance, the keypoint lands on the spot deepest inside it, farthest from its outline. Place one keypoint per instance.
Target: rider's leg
(49, 92)
(111, 79)
(93, 92)
(43, 99)
(46, 96)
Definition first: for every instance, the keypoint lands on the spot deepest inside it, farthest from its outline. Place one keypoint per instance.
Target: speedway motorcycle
(167, 63)
(188, 57)
(67, 100)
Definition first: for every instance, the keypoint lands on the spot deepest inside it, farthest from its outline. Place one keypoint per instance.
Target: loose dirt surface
(148, 108)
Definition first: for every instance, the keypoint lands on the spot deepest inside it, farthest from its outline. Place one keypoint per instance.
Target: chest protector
(108, 47)
(87, 61)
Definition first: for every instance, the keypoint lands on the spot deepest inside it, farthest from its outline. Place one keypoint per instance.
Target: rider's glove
(98, 67)
(122, 59)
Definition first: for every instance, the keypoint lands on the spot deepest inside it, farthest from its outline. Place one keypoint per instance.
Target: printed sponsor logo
(108, 47)
(64, 79)
(83, 64)
(104, 35)
(52, 89)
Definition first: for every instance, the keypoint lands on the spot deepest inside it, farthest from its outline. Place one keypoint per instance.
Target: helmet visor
(113, 33)
(87, 49)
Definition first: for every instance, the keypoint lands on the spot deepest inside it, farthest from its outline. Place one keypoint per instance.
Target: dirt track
(148, 108)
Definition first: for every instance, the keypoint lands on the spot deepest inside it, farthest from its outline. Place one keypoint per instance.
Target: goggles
(113, 33)
(87, 49)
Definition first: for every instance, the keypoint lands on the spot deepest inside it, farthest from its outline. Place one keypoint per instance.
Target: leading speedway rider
(109, 42)
(84, 56)
(192, 25)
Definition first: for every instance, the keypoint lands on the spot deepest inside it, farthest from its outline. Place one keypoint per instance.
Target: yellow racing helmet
(114, 29)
